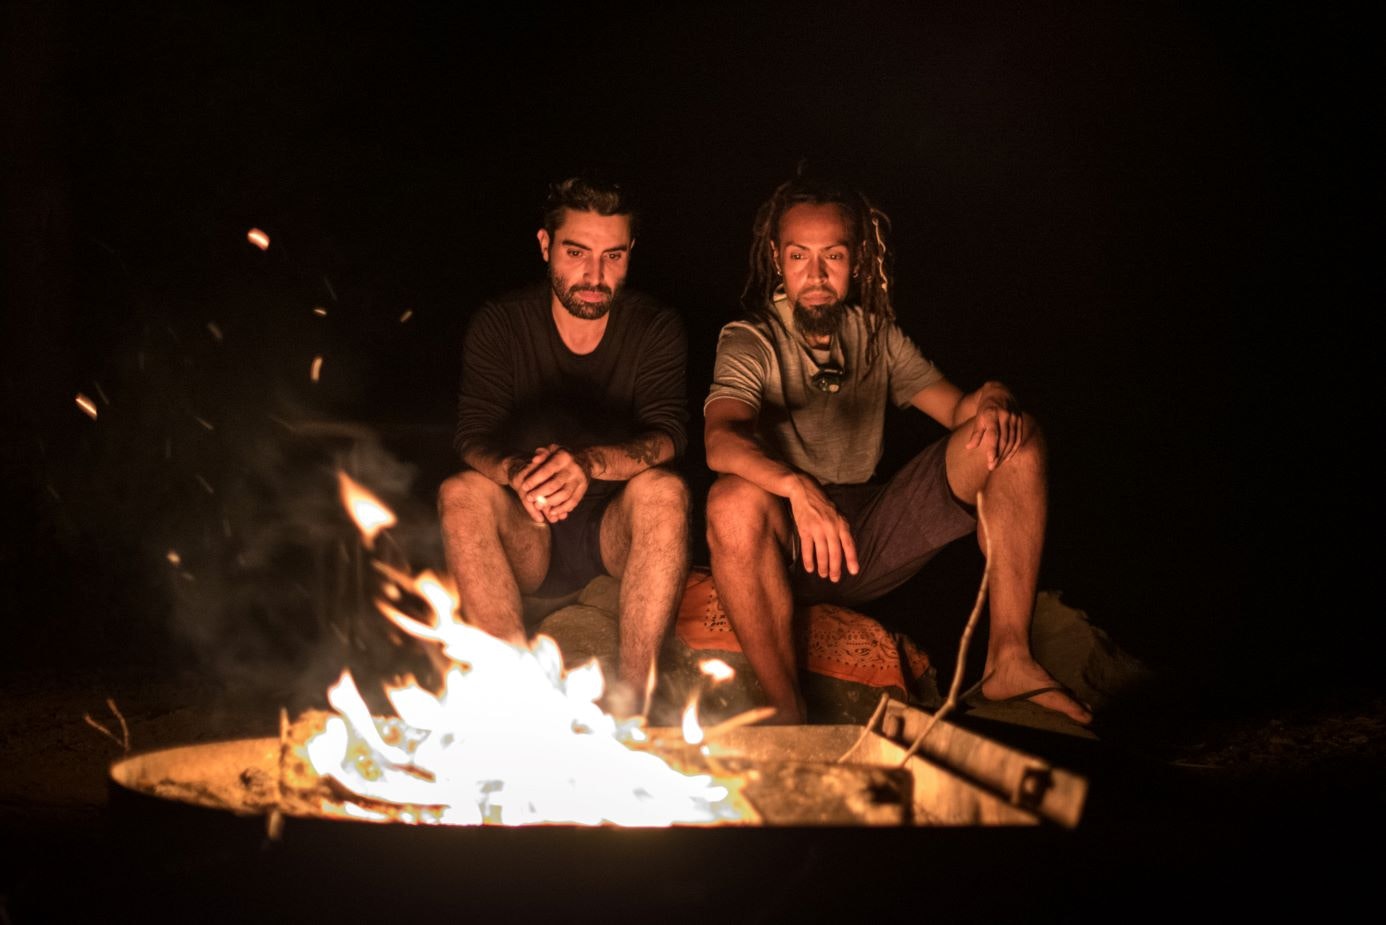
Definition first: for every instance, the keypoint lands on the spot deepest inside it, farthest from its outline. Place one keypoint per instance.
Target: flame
(511, 739)
(692, 730)
(258, 238)
(316, 369)
(365, 509)
(716, 669)
(320, 311)
(408, 313)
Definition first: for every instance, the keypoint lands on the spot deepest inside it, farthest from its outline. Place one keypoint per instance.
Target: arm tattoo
(643, 449)
(591, 461)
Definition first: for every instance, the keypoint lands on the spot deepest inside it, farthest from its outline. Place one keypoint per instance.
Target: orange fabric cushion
(831, 640)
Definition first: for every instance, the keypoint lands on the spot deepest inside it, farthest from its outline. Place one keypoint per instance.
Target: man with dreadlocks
(573, 400)
(794, 426)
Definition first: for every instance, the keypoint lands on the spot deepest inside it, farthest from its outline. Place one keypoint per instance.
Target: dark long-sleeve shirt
(523, 388)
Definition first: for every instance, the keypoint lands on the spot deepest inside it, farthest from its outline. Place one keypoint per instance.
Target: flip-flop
(973, 696)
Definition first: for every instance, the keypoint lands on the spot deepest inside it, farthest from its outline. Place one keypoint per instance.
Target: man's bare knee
(657, 492)
(740, 515)
(468, 492)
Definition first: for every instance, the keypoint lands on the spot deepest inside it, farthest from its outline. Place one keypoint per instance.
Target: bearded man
(572, 405)
(794, 425)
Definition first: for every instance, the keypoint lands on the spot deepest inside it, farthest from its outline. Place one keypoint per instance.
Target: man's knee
(467, 492)
(740, 515)
(658, 492)
(1035, 450)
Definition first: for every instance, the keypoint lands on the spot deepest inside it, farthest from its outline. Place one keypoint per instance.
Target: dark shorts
(898, 526)
(575, 546)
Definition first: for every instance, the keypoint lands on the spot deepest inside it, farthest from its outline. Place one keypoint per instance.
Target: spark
(173, 558)
(216, 331)
(204, 423)
(258, 238)
(319, 311)
(205, 484)
(101, 392)
(316, 369)
(87, 405)
(328, 283)
(408, 313)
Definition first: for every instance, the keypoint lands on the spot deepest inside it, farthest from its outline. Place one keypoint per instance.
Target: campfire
(509, 736)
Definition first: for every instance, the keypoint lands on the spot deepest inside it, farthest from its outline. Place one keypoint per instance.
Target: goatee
(819, 320)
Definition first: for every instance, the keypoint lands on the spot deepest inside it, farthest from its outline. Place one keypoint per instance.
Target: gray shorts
(898, 526)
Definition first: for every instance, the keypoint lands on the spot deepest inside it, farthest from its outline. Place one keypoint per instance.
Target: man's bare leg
(494, 552)
(645, 544)
(1016, 510)
(748, 534)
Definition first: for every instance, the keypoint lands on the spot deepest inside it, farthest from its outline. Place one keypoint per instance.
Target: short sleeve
(742, 366)
(910, 372)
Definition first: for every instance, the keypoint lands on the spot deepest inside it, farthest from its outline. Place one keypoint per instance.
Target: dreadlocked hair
(871, 258)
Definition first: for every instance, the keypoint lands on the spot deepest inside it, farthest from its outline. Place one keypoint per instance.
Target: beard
(818, 320)
(587, 311)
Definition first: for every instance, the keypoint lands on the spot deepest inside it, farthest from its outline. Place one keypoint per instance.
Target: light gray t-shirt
(837, 437)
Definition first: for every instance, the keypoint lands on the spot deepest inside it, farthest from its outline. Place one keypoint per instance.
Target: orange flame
(369, 515)
(258, 238)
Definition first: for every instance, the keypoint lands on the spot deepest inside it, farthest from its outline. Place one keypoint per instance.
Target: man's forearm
(623, 461)
(492, 463)
(732, 453)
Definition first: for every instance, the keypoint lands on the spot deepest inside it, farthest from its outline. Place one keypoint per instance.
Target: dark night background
(1152, 220)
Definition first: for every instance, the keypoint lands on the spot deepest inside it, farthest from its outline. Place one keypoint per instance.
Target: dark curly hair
(871, 258)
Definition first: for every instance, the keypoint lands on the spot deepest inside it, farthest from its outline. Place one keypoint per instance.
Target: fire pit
(831, 775)
(207, 837)
(505, 789)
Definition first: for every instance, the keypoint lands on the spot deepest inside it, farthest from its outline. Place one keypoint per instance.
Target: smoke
(194, 520)
(280, 593)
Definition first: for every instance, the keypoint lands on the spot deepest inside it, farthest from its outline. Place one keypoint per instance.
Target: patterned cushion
(831, 640)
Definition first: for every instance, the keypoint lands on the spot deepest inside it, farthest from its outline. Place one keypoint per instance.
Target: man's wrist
(588, 460)
(512, 466)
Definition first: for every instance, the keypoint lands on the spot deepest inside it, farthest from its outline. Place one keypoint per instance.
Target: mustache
(604, 290)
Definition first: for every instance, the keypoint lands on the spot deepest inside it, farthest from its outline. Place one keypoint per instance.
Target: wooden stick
(868, 728)
(741, 719)
(100, 728)
(952, 699)
(123, 740)
(124, 729)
